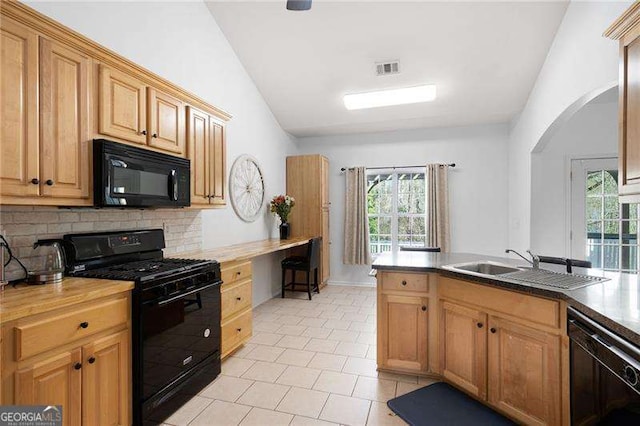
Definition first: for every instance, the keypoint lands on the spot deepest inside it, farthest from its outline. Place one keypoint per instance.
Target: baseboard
(351, 283)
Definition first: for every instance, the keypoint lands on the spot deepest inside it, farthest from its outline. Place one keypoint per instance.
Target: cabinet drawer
(236, 332)
(58, 330)
(405, 282)
(235, 299)
(235, 271)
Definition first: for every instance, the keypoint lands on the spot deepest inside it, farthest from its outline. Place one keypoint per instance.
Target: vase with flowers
(282, 205)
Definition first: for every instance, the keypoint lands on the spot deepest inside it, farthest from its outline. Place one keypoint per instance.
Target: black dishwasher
(605, 374)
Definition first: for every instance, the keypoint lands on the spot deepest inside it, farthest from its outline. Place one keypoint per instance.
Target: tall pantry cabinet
(308, 183)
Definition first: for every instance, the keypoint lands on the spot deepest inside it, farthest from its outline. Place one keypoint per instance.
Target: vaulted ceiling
(483, 56)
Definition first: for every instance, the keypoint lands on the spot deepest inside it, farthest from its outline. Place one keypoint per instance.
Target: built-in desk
(236, 292)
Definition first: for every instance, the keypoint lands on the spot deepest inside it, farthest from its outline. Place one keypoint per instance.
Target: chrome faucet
(535, 259)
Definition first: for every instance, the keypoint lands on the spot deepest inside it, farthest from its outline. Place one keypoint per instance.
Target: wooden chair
(425, 249)
(304, 264)
(565, 261)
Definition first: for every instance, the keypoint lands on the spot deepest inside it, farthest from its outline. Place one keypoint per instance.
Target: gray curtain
(438, 206)
(356, 223)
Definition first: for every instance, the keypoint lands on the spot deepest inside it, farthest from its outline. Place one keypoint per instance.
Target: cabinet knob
(238, 298)
(479, 325)
(424, 308)
(155, 135)
(84, 324)
(492, 329)
(144, 132)
(49, 182)
(404, 282)
(35, 181)
(92, 359)
(239, 272)
(239, 330)
(77, 366)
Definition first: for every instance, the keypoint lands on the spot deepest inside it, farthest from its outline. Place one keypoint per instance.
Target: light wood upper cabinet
(53, 381)
(206, 148)
(18, 110)
(464, 347)
(627, 30)
(122, 106)
(64, 115)
(166, 122)
(524, 372)
(105, 380)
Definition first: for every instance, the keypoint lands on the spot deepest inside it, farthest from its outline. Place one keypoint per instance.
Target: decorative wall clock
(246, 187)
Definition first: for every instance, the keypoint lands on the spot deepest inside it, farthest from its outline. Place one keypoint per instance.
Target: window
(612, 228)
(604, 231)
(396, 205)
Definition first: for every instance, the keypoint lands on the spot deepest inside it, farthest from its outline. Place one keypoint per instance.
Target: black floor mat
(441, 404)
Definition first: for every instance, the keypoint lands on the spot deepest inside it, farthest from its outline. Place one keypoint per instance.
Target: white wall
(181, 42)
(580, 62)
(478, 183)
(593, 131)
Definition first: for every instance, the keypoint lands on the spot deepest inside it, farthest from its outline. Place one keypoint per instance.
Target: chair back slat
(313, 252)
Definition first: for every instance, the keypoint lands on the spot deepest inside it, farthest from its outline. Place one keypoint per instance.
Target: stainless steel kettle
(46, 262)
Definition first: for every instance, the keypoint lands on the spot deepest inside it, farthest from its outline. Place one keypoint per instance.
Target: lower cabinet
(516, 368)
(403, 322)
(236, 301)
(405, 325)
(87, 373)
(464, 347)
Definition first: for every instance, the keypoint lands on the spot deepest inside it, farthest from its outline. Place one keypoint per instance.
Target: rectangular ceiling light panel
(380, 98)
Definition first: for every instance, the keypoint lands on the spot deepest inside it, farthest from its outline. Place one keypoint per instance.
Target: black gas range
(175, 314)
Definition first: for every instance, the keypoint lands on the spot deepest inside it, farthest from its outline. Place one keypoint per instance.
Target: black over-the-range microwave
(126, 176)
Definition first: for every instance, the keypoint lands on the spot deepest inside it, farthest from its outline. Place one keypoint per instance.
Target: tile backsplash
(22, 226)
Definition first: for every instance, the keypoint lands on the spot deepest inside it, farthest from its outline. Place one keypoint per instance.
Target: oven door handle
(188, 293)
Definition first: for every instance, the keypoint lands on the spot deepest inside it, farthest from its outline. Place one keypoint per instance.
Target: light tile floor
(308, 363)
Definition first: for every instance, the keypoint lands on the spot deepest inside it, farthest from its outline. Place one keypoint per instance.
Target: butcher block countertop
(245, 251)
(24, 300)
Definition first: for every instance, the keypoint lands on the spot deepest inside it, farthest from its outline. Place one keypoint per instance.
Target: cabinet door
(123, 106)
(218, 158)
(524, 372)
(18, 110)
(199, 154)
(324, 175)
(326, 247)
(64, 115)
(404, 329)
(630, 114)
(53, 381)
(105, 381)
(166, 122)
(463, 347)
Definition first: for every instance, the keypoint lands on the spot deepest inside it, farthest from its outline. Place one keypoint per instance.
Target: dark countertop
(614, 303)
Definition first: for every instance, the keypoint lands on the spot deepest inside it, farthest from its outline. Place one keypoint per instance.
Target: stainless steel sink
(482, 268)
(525, 275)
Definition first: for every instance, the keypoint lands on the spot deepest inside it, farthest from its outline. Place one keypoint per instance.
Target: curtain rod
(344, 169)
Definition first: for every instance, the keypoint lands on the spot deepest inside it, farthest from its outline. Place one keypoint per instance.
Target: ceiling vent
(387, 68)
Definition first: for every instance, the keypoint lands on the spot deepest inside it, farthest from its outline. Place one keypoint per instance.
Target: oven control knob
(631, 375)
(186, 283)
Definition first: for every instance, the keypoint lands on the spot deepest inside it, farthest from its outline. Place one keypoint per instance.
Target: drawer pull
(492, 330)
(239, 330)
(404, 282)
(92, 359)
(479, 325)
(238, 298)
(77, 366)
(84, 324)
(424, 308)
